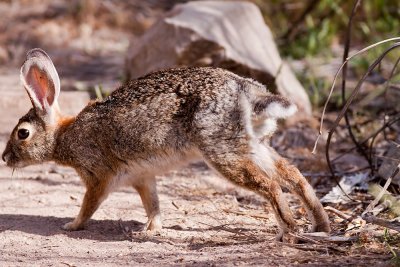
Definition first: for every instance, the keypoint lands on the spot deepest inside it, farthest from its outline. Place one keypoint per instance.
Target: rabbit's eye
(23, 133)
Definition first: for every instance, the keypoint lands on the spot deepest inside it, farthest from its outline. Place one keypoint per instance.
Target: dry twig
(323, 237)
(385, 187)
(337, 74)
(382, 222)
(314, 247)
(338, 212)
(344, 76)
(259, 216)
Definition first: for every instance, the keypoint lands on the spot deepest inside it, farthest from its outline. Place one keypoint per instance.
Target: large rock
(231, 35)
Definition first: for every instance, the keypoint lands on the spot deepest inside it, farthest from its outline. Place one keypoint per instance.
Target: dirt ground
(207, 221)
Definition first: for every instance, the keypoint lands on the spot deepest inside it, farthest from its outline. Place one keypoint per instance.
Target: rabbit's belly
(135, 171)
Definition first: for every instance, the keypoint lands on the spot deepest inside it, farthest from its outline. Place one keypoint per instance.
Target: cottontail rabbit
(156, 122)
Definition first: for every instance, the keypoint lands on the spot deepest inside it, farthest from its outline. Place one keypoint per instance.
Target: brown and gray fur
(156, 123)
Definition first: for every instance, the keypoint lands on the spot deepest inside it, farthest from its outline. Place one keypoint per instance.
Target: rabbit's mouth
(18, 164)
(12, 161)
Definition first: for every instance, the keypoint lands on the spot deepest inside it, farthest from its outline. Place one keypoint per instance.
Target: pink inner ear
(41, 85)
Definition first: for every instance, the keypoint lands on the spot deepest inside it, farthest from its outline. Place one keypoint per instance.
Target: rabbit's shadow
(101, 230)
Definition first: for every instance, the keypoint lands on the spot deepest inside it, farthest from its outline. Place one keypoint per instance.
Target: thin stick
(385, 187)
(174, 204)
(314, 247)
(391, 225)
(387, 124)
(305, 238)
(259, 216)
(344, 76)
(331, 239)
(337, 212)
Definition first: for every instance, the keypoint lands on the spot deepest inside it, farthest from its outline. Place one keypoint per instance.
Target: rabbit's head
(33, 138)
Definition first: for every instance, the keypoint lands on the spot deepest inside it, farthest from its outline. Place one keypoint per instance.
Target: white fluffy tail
(262, 109)
(274, 106)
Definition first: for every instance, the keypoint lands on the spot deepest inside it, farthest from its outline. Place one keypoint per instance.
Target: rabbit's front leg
(148, 193)
(95, 194)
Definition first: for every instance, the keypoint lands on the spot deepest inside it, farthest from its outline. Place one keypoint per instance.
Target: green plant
(307, 28)
(388, 240)
(99, 92)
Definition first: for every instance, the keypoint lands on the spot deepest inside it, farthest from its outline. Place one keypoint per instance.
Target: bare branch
(337, 74)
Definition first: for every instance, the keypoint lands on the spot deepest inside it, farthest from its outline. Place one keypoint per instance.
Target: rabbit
(157, 122)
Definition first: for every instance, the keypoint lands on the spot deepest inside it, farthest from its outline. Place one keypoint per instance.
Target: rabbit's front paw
(72, 226)
(153, 224)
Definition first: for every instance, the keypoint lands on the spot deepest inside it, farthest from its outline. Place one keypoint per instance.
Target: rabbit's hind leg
(290, 177)
(241, 170)
(148, 193)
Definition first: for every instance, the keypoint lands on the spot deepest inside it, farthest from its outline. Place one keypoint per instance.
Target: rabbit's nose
(4, 156)
(6, 153)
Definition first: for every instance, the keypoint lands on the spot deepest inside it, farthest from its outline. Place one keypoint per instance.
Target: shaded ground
(207, 221)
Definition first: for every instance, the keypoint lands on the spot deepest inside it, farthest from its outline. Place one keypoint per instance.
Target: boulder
(230, 35)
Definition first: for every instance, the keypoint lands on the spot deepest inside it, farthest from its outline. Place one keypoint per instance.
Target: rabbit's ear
(40, 79)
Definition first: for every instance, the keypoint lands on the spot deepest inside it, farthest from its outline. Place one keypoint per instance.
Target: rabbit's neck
(65, 122)
(60, 150)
